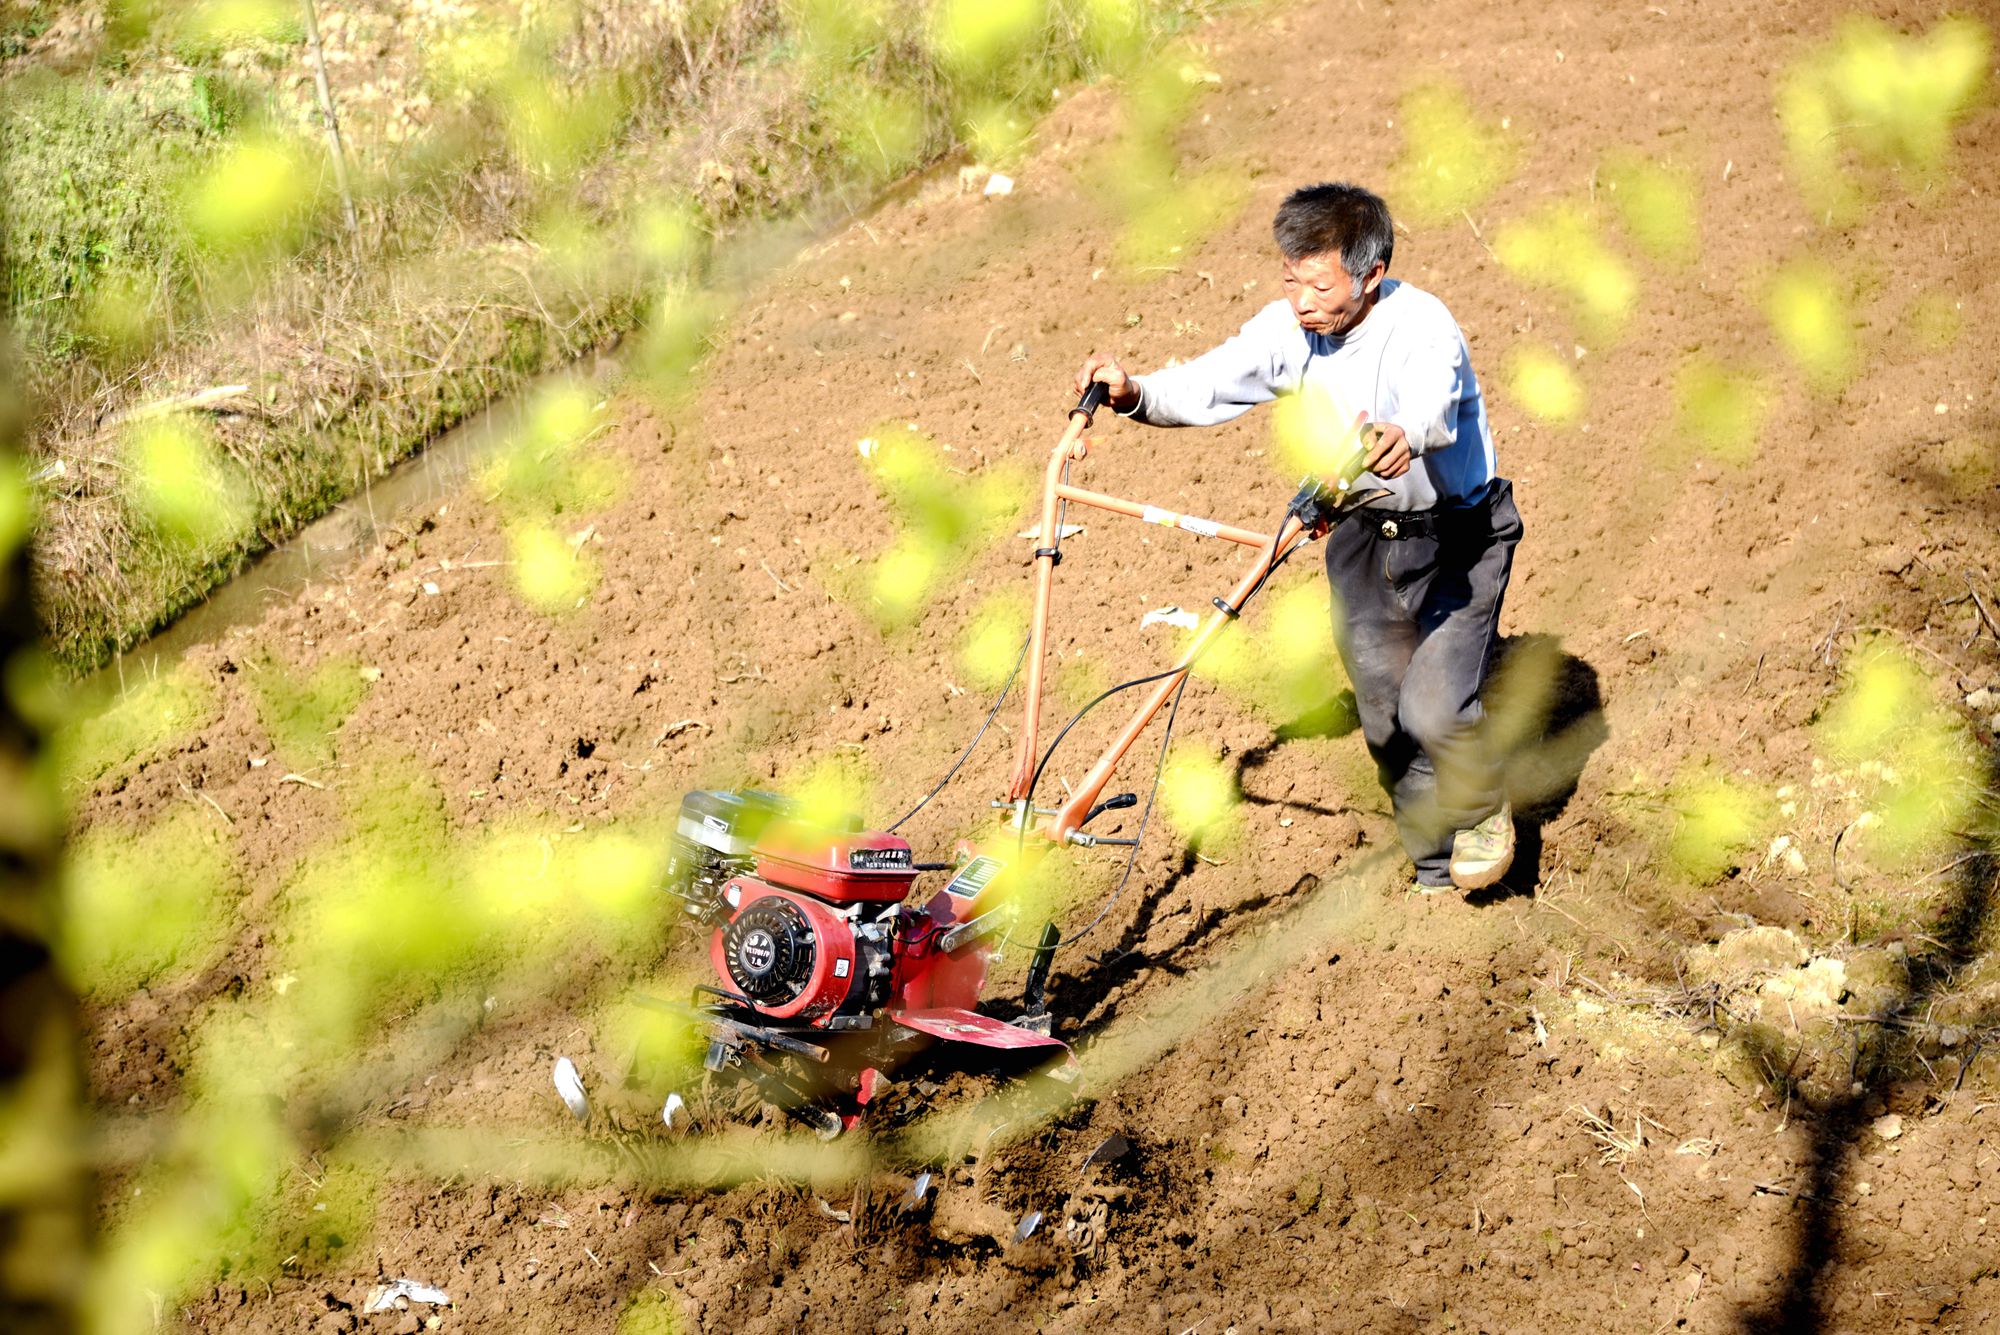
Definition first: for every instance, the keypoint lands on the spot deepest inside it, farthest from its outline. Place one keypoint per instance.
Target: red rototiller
(829, 974)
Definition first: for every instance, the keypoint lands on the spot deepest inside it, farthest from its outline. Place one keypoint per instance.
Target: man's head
(1336, 240)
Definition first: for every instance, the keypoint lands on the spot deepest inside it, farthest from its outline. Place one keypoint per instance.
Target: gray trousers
(1416, 620)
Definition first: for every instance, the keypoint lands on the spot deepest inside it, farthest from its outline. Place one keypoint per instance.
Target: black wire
(966, 754)
(1061, 515)
(1049, 754)
(1132, 858)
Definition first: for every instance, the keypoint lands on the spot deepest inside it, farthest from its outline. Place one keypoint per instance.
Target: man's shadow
(1547, 717)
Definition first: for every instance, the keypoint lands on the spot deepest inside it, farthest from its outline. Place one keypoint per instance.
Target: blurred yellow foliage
(259, 192)
(1543, 383)
(300, 713)
(17, 508)
(1201, 798)
(1655, 203)
(992, 644)
(182, 485)
(979, 41)
(1166, 209)
(1451, 160)
(1807, 305)
(1892, 100)
(136, 906)
(1718, 411)
(940, 516)
(831, 792)
(1316, 436)
(881, 132)
(1562, 246)
(228, 22)
(650, 1312)
(136, 724)
(552, 574)
(1920, 767)
(1936, 320)
(1716, 816)
(659, 1053)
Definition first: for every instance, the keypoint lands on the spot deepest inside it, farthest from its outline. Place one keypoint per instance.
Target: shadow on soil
(1880, 1066)
(1562, 723)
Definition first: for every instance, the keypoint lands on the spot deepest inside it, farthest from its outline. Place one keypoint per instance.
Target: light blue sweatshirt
(1406, 362)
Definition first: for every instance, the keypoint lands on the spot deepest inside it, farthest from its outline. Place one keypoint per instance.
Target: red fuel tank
(866, 868)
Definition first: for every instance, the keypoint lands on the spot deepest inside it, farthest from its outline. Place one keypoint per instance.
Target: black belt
(1398, 524)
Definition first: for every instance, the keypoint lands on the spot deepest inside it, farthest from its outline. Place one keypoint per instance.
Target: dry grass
(355, 350)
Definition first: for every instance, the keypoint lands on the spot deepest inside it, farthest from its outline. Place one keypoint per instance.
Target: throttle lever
(1118, 803)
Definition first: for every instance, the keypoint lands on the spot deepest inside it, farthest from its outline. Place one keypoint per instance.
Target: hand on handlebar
(1103, 368)
(1388, 450)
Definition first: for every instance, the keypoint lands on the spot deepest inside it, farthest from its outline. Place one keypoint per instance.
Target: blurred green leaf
(1655, 203)
(1808, 307)
(1452, 161)
(1562, 246)
(137, 906)
(1543, 383)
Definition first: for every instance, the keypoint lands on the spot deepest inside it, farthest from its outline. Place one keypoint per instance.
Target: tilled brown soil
(1343, 1107)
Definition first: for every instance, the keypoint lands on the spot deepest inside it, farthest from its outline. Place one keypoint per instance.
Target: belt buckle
(1389, 528)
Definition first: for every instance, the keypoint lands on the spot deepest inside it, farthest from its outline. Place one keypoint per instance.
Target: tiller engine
(820, 958)
(826, 974)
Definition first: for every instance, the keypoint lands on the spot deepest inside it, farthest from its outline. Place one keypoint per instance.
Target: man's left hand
(1389, 451)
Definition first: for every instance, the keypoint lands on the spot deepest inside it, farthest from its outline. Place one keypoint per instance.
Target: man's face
(1322, 293)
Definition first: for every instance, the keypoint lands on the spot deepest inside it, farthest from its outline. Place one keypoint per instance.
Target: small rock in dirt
(1815, 989)
(1888, 1128)
(1982, 700)
(1113, 1146)
(1749, 950)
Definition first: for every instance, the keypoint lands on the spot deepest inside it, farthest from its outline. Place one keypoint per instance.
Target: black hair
(1336, 218)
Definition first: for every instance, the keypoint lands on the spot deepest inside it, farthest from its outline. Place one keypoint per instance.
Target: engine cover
(790, 955)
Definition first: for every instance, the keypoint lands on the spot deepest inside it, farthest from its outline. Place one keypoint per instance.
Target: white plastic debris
(918, 1190)
(1066, 531)
(1029, 1223)
(570, 1086)
(1169, 616)
(675, 1107)
(401, 1293)
(865, 447)
(998, 186)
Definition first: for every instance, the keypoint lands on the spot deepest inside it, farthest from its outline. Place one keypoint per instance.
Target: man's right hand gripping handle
(1100, 368)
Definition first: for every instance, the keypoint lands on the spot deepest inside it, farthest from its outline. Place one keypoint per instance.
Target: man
(1417, 576)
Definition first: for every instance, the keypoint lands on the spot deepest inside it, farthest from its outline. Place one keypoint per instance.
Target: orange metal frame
(1062, 824)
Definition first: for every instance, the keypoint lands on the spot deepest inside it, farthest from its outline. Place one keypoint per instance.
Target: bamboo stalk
(327, 112)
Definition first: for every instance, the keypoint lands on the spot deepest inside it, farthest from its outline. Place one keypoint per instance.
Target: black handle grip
(1095, 396)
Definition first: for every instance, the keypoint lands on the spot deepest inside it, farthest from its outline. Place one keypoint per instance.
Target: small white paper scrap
(1169, 616)
(384, 1297)
(570, 1085)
